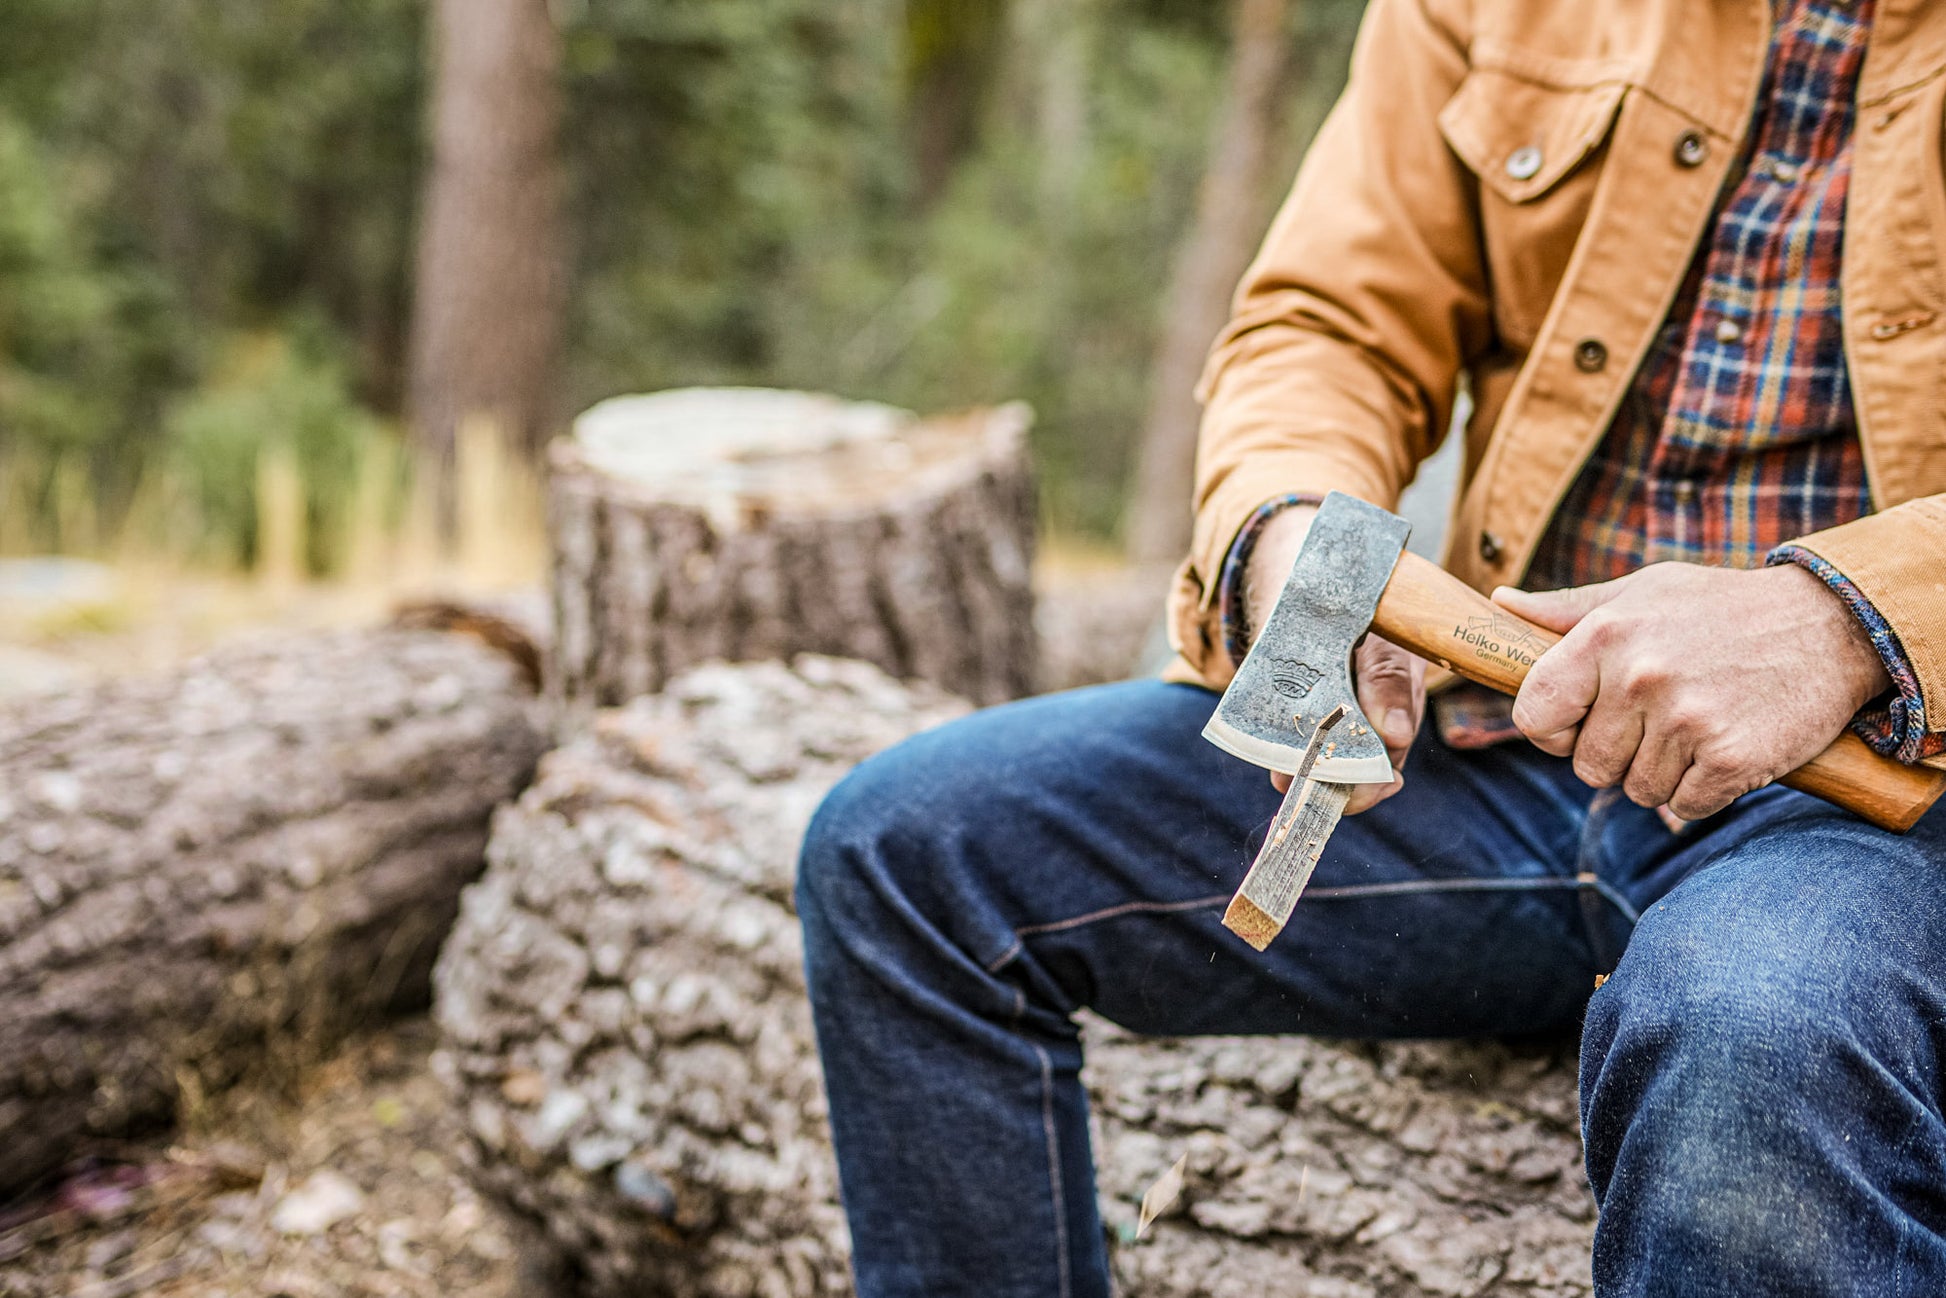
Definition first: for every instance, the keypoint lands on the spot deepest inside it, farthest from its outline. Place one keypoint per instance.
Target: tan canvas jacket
(1424, 244)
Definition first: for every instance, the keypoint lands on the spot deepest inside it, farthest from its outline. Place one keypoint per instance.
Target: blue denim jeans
(1761, 1073)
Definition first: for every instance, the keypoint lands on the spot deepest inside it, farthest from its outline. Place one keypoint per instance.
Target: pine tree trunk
(1223, 235)
(627, 1035)
(954, 50)
(490, 283)
(269, 842)
(741, 525)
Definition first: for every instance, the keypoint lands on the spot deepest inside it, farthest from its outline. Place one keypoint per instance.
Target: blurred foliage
(206, 226)
(283, 396)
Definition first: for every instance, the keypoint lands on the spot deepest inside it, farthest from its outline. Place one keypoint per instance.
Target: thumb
(1557, 610)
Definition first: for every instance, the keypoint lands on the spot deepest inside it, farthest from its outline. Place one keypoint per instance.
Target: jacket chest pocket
(1535, 150)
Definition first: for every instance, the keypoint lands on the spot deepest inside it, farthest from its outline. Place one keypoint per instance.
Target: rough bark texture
(270, 840)
(628, 1039)
(1228, 225)
(490, 286)
(740, 525)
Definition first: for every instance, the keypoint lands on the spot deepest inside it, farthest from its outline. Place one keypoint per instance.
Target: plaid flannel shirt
(1738, 432)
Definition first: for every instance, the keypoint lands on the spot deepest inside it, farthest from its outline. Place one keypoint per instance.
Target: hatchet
(1292, 707)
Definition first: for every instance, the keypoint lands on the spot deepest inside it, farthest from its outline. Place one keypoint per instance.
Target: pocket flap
(1520, 137)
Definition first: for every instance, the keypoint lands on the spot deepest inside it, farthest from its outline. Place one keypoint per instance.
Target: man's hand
(1391, 683)
(1690, 686)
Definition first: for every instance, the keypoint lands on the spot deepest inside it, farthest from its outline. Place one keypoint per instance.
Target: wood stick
(1310, 811)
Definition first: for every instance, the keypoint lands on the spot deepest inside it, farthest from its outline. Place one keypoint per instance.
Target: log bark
(627, 1036)
(740, 525)
(269, 842)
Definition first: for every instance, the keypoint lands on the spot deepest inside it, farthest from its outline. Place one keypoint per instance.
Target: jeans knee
(1745, 1007)
(841, 840)
(1727, 1004)
(1763, 1044)
(891, 843)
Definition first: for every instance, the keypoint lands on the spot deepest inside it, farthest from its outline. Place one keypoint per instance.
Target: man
(1690, 258)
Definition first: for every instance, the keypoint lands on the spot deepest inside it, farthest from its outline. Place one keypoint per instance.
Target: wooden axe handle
(1440, 618)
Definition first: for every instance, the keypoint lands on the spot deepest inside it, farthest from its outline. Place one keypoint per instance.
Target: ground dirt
(345, 1181)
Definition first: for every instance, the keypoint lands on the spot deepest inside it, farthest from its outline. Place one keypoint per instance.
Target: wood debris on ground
(1162, 1195)
(348, 1188)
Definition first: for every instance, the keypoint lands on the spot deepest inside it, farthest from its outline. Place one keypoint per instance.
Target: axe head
(1300, 667)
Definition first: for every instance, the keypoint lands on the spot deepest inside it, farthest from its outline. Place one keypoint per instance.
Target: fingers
(1606, 746)
(1555, 698)
(1363, 796)
(1703, 791)
(1558, 610)
(1391, 686)
(1713, 781)
(1366, 796)
(1657, 769)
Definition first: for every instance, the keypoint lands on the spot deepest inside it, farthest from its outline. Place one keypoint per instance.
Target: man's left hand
(1690, 686)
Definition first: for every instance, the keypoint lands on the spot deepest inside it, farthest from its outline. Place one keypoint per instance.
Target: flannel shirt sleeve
(1894, 724)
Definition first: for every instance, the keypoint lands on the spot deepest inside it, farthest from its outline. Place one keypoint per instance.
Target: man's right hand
(1391, 683)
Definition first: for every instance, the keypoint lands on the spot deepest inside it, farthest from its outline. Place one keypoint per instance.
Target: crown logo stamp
(1292, 678)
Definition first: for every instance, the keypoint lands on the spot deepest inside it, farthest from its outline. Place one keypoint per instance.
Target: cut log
(269, 842)
(627, 1036)
(742, 525)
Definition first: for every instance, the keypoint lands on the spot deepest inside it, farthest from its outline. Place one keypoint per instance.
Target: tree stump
(269, 841)
(740, 525)
(627, 1035)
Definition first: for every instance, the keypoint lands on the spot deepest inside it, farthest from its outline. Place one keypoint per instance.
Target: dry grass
(161, 601)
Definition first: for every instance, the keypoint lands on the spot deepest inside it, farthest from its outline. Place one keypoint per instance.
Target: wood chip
(1160, 1196)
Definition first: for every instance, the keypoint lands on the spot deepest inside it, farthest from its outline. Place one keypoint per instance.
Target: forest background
(289, 248)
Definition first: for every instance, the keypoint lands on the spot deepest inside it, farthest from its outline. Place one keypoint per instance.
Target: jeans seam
(1061, 1259)
(1586, 880)
(1587, 862)
(1407, 887)
(1095, 916)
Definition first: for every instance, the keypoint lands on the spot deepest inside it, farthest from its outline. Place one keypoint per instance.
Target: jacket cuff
(1895, 724)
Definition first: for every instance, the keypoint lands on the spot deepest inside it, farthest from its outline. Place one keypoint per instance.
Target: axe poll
(1292, 707)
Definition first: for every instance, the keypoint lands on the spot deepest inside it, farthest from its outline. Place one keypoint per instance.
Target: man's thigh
(1761, 1077)
(1083, 847)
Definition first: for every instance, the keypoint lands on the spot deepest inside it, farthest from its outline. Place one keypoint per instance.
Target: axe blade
(1299, 670)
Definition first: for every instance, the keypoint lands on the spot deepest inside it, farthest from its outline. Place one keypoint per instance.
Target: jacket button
(1590, 354)
(1692, 148)
(1489, 547)
(1524, 164)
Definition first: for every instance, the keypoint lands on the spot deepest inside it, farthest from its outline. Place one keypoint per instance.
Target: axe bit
(1352, 576)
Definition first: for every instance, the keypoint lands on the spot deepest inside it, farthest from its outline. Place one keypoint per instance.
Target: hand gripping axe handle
(1292, 708)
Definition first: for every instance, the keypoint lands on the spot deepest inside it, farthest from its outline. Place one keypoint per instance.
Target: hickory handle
(1439, 617)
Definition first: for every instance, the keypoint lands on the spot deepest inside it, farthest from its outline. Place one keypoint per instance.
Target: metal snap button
(1524, 164)
(1785, 172)
(1489, 547)
(1590, 354)
(1728, 331)
(1692, 148)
